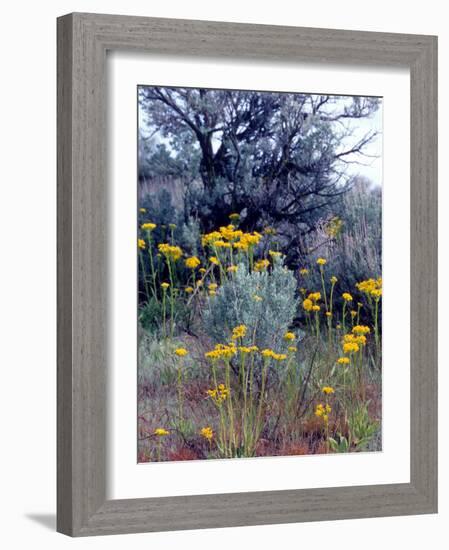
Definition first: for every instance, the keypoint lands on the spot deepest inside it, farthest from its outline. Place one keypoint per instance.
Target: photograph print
(259, 254)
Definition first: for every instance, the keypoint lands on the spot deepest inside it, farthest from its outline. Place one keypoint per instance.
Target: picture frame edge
(82, 508)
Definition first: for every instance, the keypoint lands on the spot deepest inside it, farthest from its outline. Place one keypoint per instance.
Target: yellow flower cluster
(371, 287)
(304, 271)
(321, 261)
(359, 339)
(248, 349)
(293, 349)
(361, 329)
(334, 279)
(343, 361)
(275, 253)
(270, 354)
(228, 234)
(346, 297)
(189, 289)
(170, 251)
(207, 433)
(222, 244)
(161, 431)
(148, 226)
(261, 265)
(181, 352)
(141, 244)
(328, 390)
(214, 260)
(289, 336)
(222, 351)
(239, 332)
(323, 411)
(193, 262)
(350, 347)
(232, 269)
(309, 304)
(165, 286)
(219, 394)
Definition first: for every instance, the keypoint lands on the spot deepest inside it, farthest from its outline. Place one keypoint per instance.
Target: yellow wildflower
(214, 260)
(316, 307)
(321, 261)
(333, 279)
(289, 336)
(181, 352)
(148, 226)
(353, 313)
(350, 347)
(207, 433)
(161, 431)
(328, 390)
(361, 329)
(376, 293)
(141, 244)
(346, 297)
(260, 265)
(222, 351)
(248, 349)
(257, 298)
(304, 271)
(371, 285)
(315, 296)
(192, 262)
(221, 244)
(231, 269)
(269, 353)
(343, 360)
(202, 270)
(328, 314)
(165, 285)
(142, 210)
(212, 293)
(275, 253)
(170, 252)
(219, 394)
(307, 304)
(239, 332)
(293, 349)
(323, 411)
(189, 289)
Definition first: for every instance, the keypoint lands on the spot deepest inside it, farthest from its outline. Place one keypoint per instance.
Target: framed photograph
(247, 274)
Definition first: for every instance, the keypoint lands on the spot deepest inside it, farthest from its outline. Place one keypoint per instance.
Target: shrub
(263, 301)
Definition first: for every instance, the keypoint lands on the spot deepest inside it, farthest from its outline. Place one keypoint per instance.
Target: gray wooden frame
(83, 40)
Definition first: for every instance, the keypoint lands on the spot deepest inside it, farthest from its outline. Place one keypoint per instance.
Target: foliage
(361, 426)
(277, 158)
(264, 302)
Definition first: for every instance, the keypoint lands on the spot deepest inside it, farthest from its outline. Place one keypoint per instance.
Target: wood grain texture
(83, 40)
